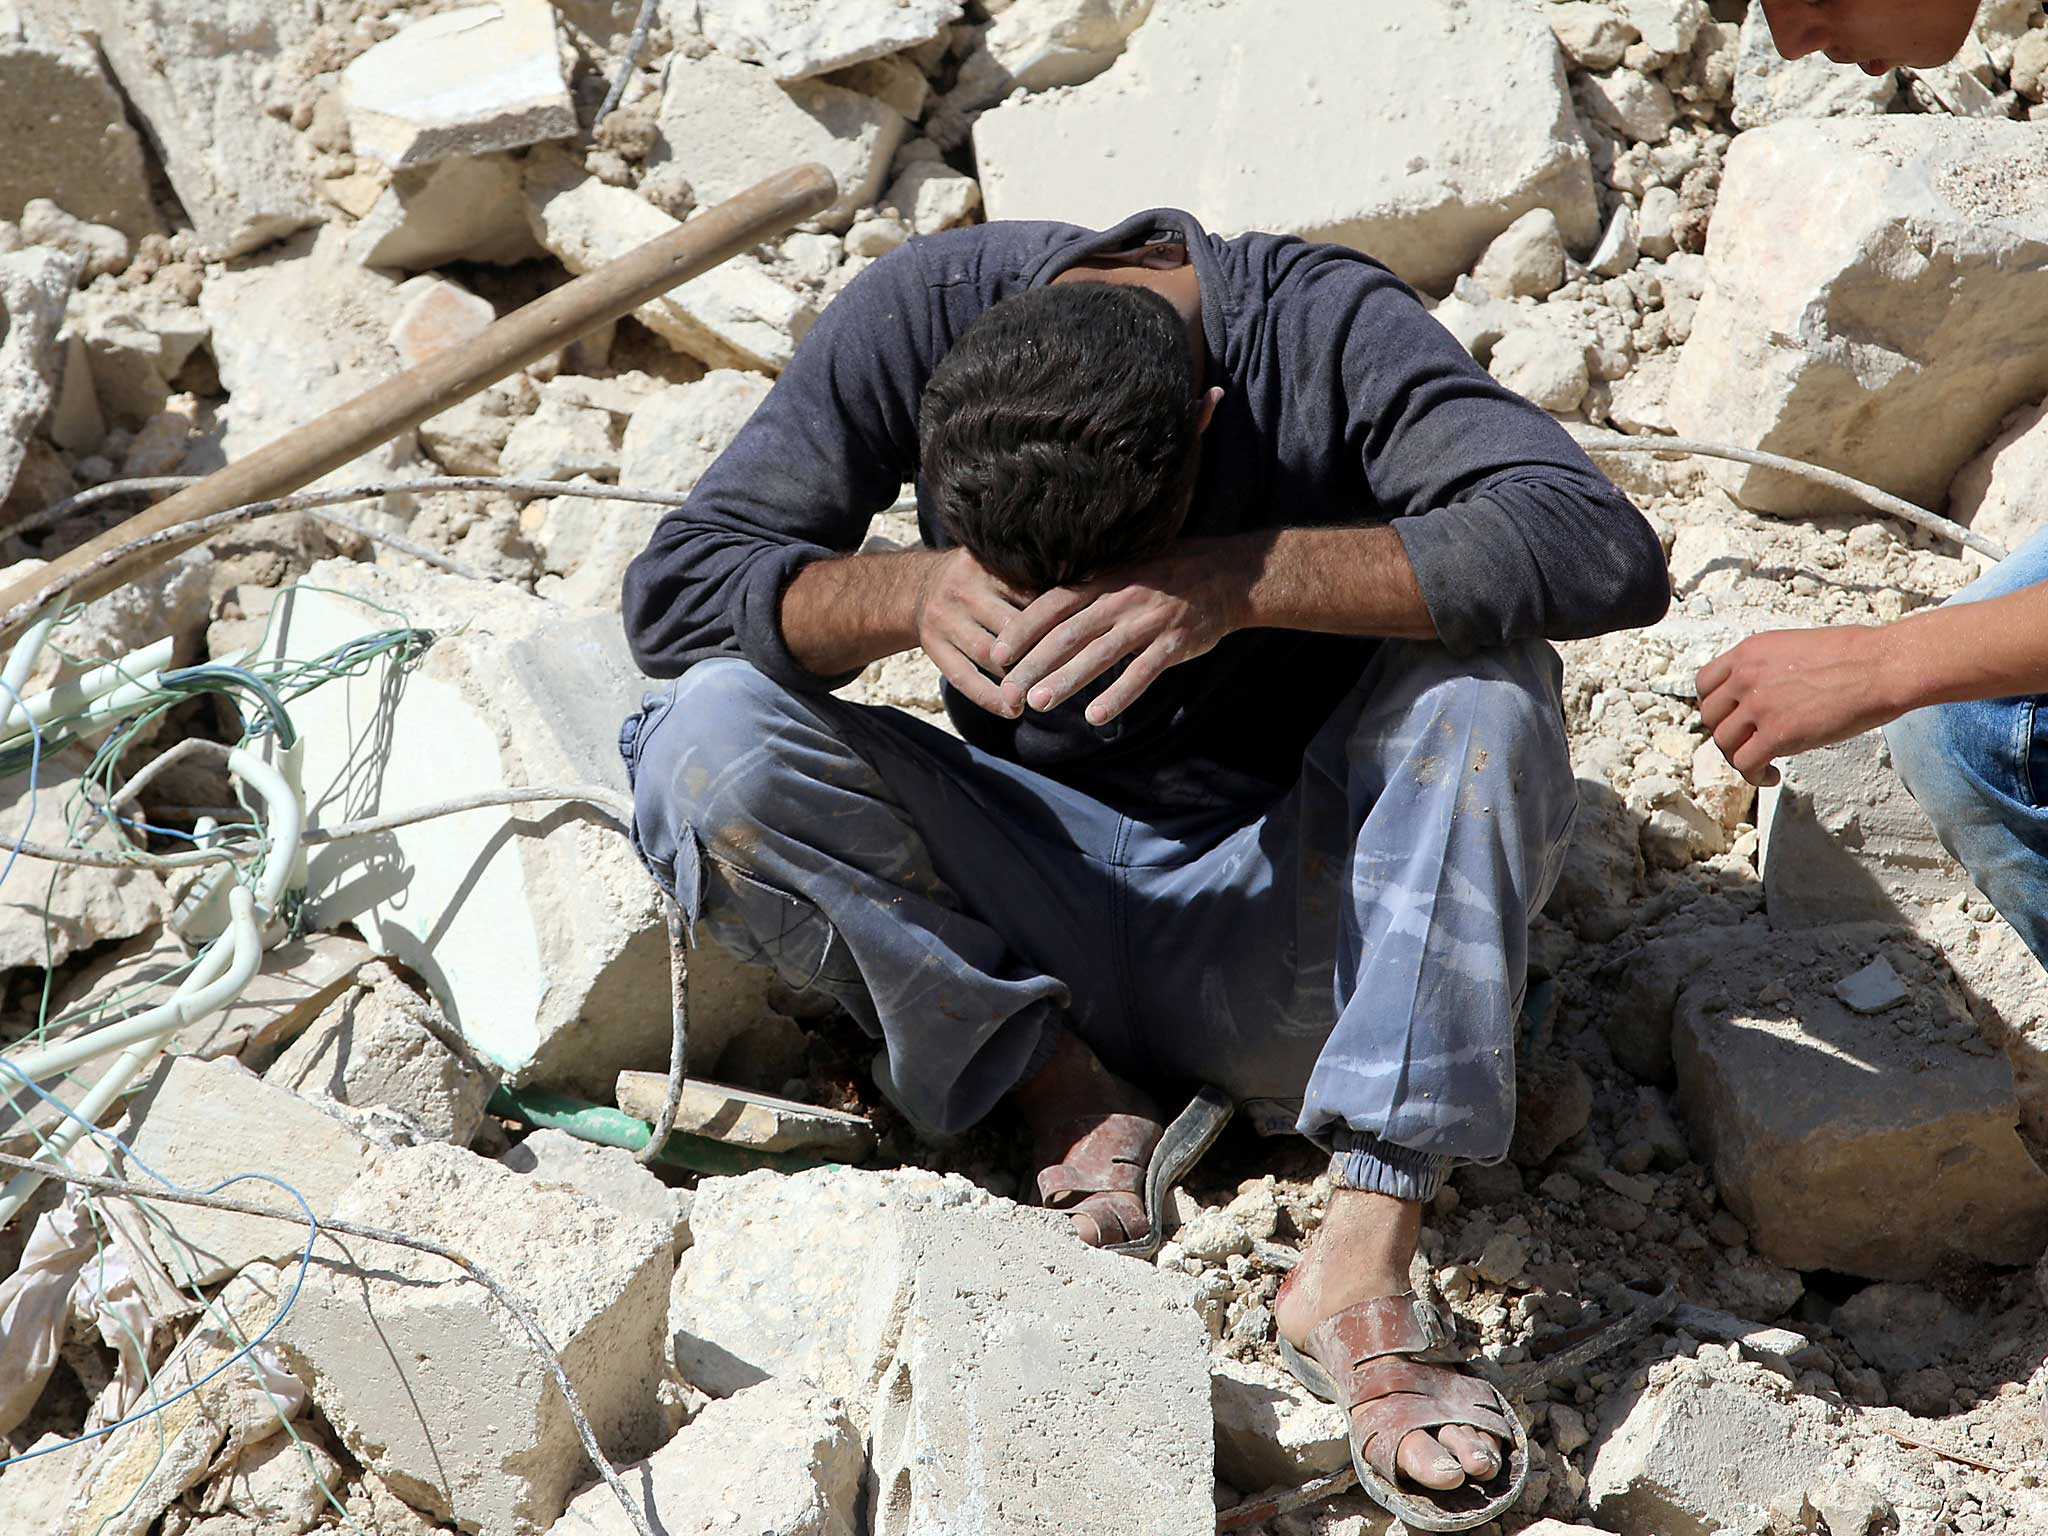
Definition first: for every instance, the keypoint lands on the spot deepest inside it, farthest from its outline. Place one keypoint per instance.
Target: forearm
(839, 615)
(1993, 649)
(1333, 581)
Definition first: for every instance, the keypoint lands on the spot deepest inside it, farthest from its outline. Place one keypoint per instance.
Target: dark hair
(1058, 436)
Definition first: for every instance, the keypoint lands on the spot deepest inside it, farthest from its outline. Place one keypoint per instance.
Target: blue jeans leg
(1980, 772)
(1361, 949)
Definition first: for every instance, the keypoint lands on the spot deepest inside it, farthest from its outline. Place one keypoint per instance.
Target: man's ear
(1211, 398)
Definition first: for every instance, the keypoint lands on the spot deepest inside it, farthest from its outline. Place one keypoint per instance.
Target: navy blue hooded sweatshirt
(1344, 404)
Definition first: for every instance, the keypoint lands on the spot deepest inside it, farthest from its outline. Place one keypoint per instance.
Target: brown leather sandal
(1118, 1169)
(1387, 1363)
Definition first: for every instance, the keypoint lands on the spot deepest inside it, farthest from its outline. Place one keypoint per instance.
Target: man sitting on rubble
(1962, 691)
(1239, 573)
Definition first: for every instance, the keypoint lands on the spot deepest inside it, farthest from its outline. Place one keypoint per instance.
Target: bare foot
(1083, 1115)
(1363, 1250)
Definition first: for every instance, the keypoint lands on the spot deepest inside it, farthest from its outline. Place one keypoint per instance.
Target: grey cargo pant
(1357, 948)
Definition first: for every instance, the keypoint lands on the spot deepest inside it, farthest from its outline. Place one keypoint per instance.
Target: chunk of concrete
(1593, 36)
(380, 1042)
(200, 78)
(933, 196)
(535, 927)
(433, 1385)
(435, 314)
(1271, 1431)
(462, 209)
(49, 913)
(34, 285)
(734, 316)
(464, 82)
(669, 442)
(1422, 132)
(795, 39)
(1881, 1146)
(198, 1122)
(778, 1460)
(1998, 492)
(1635, 106)
(1874, 989)
(1770, 88)
(69, 139)
(1038, 44)
(139, 1471)
(612, 1176)
(137, 342)
(1526, 261)
(740, 1118)
(1903, 1328)
(33, 1493)
(1841, 840)
(727, 125)
(1868, 279)
(297, 333)
(562, 440)
(993, 1361)
(1705, 1447)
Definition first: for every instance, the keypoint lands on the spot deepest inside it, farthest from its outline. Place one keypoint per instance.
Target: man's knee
(1503, 706)
(709, 758)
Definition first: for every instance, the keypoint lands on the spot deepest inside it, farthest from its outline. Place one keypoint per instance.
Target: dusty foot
(1076, 1109)
(1363, 1251)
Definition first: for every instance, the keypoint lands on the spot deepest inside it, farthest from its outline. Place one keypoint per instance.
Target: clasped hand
(1007, 649)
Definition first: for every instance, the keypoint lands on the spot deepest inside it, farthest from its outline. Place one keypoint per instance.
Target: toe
(1477, 1452)
(1101, 1220)
(1423, 1458)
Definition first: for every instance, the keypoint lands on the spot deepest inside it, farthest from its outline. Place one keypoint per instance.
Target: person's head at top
(1875, 35)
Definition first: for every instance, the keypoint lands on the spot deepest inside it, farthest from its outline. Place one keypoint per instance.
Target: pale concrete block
(433, 1386)
(34, 285)
(796, 38)
(727, 125)
(562, 441)
(778, 1460)
(200, 78)
(1039, 44)
(136, 342)
(1433, 127)
(1526, 260)
(463, 82)
(1819, 339)
(950, 1322)
(462, 209)
(33, 1493)
(1880, 1146)
(50, 912)
(744, 1119)
(1706, 1448)
(68, 139)
(1841, 840)
(381, 1043)
(536, 928)
(1998, 492)
(612, 1176)
(734, 316)
(197, 1123)
(435, 314)
(1271, 1431)
(933, 196)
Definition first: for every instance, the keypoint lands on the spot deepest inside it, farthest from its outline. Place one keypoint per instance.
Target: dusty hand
(1793, 690)
(1157, 613)
(960, 609)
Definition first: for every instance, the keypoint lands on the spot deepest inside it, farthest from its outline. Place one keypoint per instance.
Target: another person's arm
(1791, 690)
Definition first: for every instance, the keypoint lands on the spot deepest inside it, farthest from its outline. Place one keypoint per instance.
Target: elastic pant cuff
(1361, 1160)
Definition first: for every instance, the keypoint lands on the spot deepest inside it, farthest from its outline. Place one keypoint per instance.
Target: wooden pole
(525, 336)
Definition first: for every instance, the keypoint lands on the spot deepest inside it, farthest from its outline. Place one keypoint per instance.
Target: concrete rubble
(1791, 1062)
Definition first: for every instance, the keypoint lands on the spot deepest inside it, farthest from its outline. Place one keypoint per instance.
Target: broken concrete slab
(1841, 840)
(137, 342)
(777, 1460)
(464, 82)
(734, 316)
(740, 1118)
(34, 285)
(435, 314)
(1271, 1431)
(933, 196)
(381, 1043)
(69, 139)
(1706, 1446)
(1995, 494)
(141, 1470)
(727, 125)
(1793, 350)
(1884, 1146)
(794, 39)
(200, 78)
(198, 1122)
(562, 440)
(428, 1380)
(1038, 44)
(1442, 124)
(954, 1325)
(33, 1493)
(463, 209)
(611, 1176)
